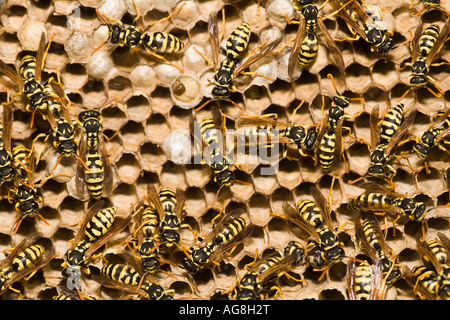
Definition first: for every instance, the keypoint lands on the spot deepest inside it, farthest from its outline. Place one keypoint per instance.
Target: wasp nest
(149, 122)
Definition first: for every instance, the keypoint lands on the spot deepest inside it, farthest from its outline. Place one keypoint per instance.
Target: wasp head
(421, 149)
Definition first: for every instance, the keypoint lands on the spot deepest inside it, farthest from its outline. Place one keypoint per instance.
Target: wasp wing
(332, 47)
(407, 122)
(40, 57)
(7, 121)
(213, 31)
(292, 60)
(374, 127)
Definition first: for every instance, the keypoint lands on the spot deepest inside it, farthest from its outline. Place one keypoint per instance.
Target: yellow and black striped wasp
(210, 141)
(24, 260)
(426, 44)
(231, 230)
(429, 5)
(227, 70)
(146, 230)
(169, 206)
(306, 44)
(260, 278)
(423, 280)
(365, 281)
(434, 135)
(392, 128)
(381, 200)
(330, 147)
(130, 278)
(154, 43)
(370, 236)
(315, 218)
(94, 171)
(29, 80)
(7, 170)
(437, 252)
(26, 190)
(97, 228)
(267, 126)
(362, 26)
(64, 293)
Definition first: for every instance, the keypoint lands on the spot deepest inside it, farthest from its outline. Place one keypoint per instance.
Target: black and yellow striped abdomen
(122, 274)
(363, 281)
(229, 231)
(391, 122)
(426, 279)
(438, 250)
(308, 50)
(327, 148)
(95, 175)
(27, 67)
(311, 213)
(76, 256)
(428, 39)
(370, 201)
(100, 224)
(162, 42)
(27, 257)
(238, 41)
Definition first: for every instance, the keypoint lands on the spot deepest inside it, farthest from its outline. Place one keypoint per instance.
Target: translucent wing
(407, 122)
(8, 117)
(323, 204)
(213, 31)
(108, 174)
(344, 14)
(181, 200)
(425, 251)
(25, 243)
(331, 45)
(256, 55)
(443, 36)
(81, 170)
(292, 61)
(153, 198)
(374, 127)
(415, 42)
(40, 56)
(11, 73)
(87, 217)
(295, 218)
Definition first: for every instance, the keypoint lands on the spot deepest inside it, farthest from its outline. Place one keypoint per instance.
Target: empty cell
(195, 202)
(94, 92)
(128, 168)
(197, 175)
(152, 157)
(159, 101)
(288, 174)
(385, 75)
(54, 192)
(51, 223)
(113, 118)
(173, 176)
(132, 136)
(157, 128)
(306, 87)
(256, 99)
(431, 182)
(123, 194)
(278, 231)
(74, 75)
(281, 92)
(259, 210)
(264, 183)
(359, 160)
(138, 108)
(331, 294)
(279, 197)
(124, 59)
(13, 17)
(358, 78)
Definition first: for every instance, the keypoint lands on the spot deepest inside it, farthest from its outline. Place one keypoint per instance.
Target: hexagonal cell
(132, 136)
(157, 128)
(128, 168)
(152, 157)
(138, 108)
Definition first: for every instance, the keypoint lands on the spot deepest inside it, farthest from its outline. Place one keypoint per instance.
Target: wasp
(28, 79)
(304, 138)
(64, 293)
(226, 71)
(154, 43)
(7, 170)
(424, 281)
(434, 135)
(146, 230)
(425, 46)
(430, 5)
(306, 44)
(380, 199)
(369, 234)
(97, 175)
(25, 259)
(130, 278)
(329, 148)
(96, 228)
(27, 197)
(365, 281)
(437, 252)
(363, 26)
(393, 126)
(231, 230)
(169, 206)
(263, 273)
(209, 137)
(315, 218)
